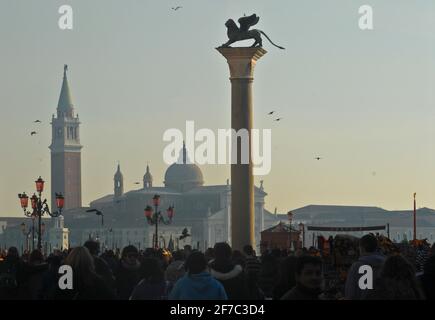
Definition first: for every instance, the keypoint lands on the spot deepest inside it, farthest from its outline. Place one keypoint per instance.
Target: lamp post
(302, 230)
(155, 217)
(28, 232)
(290, 218)
(415, 218)
(40, 207)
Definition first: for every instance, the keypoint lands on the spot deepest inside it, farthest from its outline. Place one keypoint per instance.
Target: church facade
(204, 210)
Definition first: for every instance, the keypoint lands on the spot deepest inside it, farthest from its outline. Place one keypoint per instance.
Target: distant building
(282, 236)
(400, 222)
(204, 210)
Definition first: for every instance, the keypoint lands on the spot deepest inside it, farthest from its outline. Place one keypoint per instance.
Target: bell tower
(66, 150)
(118, 180)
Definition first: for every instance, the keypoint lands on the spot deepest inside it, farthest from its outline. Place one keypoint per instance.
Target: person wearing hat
(128, 272)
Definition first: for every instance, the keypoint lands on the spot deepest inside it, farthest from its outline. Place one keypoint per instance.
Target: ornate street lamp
(302, 230)
(155, 217)
(40, 207)
(290, 218)
(27, 233)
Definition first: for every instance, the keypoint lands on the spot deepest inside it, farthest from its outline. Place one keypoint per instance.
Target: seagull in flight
(37, 121)
(33, 133)
(278, 119)
(176, 8)
(318, 158)
(271, 112)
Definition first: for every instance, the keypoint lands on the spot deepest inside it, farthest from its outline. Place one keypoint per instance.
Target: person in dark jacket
(268, 277)
(87, 285)
(153, 285)
(428, 278)
(111, 260)
(176, 269)
(12, 276)
(309, 278)
(128, 272)
(229, 274)
(35, 271)
(50, 280)
(197, 283)
(287, 277)
(368, 247)
(397, 281)
(101, 266)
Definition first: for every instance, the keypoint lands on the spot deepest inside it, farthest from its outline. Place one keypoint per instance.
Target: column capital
(242, 61)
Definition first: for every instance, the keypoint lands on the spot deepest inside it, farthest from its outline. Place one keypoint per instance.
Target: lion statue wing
(247, 22)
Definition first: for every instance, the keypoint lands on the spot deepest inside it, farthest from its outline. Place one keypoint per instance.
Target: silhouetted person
(50, 280)
(428, 278)
(229, 274)
(11, 276)
(197, 283)
(176, 268)
(368, 246)
(397, 281)
(35, 270)
(101, 266)
(111, 260)
(87, 285)
(238, 258)
(287, 279)
(268, 277)
(128, 272)
(309, 279)
(209, 254)
(153, 285)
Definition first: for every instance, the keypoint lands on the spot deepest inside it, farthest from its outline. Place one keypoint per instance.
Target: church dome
(183, 173)
(183, 176)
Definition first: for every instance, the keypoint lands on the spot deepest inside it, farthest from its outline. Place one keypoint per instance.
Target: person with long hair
(397, 281)
(153, 285)
(87, 285)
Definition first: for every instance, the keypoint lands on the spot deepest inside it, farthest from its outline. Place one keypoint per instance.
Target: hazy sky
(364, 100)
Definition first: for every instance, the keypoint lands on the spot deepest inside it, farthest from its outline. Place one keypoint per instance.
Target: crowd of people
(219, 273)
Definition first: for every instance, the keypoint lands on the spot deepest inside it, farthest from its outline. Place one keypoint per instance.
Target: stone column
(241, 62)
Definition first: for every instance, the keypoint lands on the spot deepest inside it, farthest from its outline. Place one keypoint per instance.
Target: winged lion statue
(243, 33)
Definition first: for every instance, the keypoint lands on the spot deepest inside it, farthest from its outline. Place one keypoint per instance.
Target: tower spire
(65, 104)
(147, 178)
(184, 152)
(119, 182)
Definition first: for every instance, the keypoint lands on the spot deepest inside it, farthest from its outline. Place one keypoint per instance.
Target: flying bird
(37, 121)
(278, 119)
(33, 133)
(318, 158)
(184, 234)
(176, 8)
(271, 112)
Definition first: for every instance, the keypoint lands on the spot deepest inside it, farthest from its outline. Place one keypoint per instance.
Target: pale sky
(363, 100)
